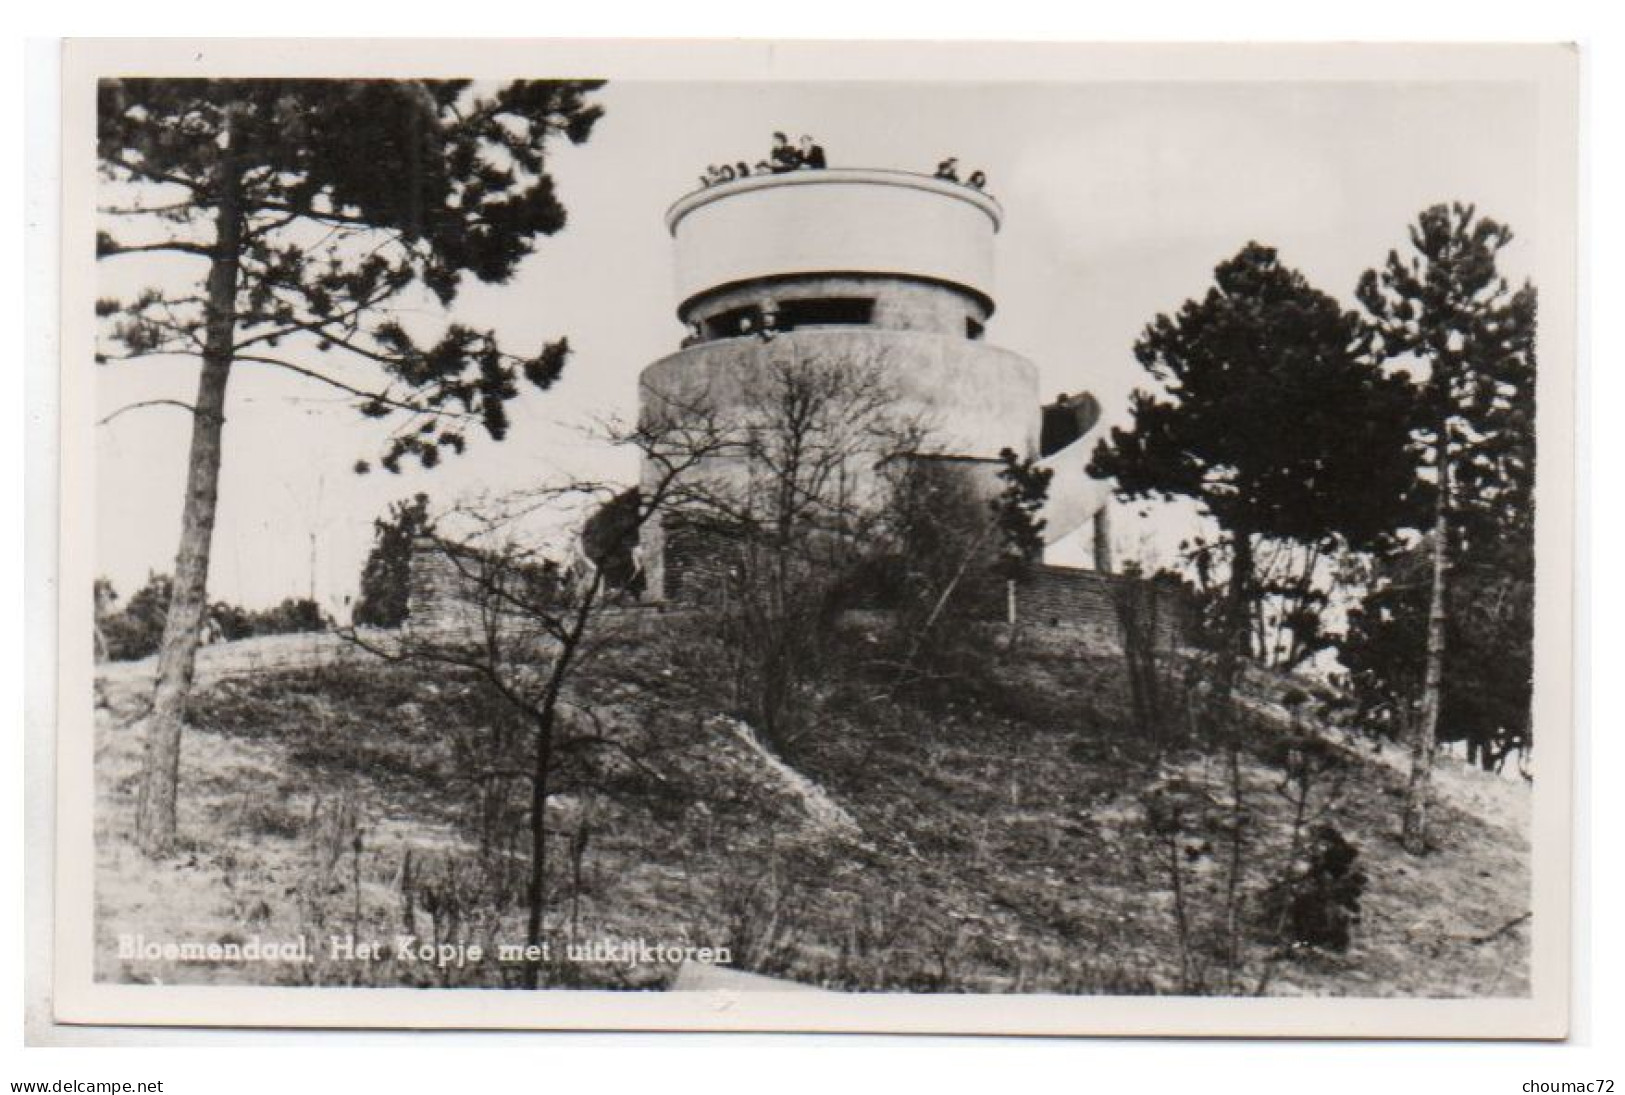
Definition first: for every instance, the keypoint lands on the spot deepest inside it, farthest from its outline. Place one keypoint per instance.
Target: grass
(1003, 843)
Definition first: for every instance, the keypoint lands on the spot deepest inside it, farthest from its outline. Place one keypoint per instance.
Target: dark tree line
(387, 575)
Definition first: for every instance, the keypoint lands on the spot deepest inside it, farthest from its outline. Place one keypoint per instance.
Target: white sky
(1119, 201)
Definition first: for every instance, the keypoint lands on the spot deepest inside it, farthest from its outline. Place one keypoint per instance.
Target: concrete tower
(860, 264)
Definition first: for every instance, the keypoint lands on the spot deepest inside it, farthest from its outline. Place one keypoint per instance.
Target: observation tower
(864, 265)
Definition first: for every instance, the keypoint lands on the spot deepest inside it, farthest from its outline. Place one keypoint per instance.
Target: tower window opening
(973, 328)
(826, 312)
(745, 320)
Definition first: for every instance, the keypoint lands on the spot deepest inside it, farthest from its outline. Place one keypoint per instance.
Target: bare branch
(361, 393)
(149, 403)
(176, 246)
(137, 355)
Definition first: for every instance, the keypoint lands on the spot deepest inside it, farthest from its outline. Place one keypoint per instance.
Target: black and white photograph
(883, 542)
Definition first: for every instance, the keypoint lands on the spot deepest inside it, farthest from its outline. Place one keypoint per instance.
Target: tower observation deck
(879, 223)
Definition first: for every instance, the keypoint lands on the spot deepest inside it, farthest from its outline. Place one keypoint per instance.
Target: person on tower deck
(949, 169)
(742, 170)
(784, 155)
(978, 180)
(811, 153)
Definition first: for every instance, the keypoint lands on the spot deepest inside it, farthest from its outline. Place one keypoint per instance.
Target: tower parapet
(899, 227)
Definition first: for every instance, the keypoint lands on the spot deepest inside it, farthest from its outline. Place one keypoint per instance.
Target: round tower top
(833, 221)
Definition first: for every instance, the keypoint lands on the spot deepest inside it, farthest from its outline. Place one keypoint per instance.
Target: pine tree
(305, 212)
(1446, 310)
(386, 576)
(1017, 511)
(1269, 419)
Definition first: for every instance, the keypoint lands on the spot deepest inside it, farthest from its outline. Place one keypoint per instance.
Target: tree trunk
(542, 773)
(1237, 623)
(155, 823)
(1425, 736)
(536, 890)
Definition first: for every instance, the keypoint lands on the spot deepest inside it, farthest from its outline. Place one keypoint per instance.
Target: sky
(1119, 200)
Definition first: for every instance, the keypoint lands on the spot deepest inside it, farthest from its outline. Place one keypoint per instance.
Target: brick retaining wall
(1065, 606)
(1070, 605)
(440, 593)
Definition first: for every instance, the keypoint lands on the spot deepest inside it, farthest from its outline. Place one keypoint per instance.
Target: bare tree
(788, 519)
(1138, 605)
(525, 625)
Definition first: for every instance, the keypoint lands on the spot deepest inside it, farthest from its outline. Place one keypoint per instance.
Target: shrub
(1316, 901)
(136, 630)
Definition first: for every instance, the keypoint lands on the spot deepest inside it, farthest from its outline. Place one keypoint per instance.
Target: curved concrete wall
(830, 222)
(1074, 497)
(974, 398)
